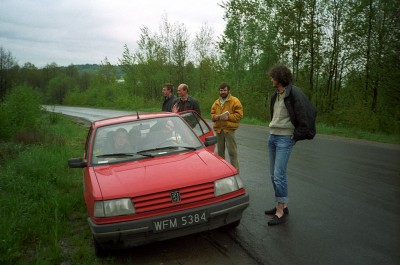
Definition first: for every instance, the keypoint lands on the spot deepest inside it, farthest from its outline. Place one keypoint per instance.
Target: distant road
(344, 201)
(90, 114)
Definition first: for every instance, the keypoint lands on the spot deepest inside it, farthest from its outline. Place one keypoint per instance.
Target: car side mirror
(78, 162)
(210, 140)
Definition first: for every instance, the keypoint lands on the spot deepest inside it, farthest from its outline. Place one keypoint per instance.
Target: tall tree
(151, 57)
(180, 50)
(232, 43)
(128, 67)
(166, 37)
(57, 89)
(205, 57)
(374, 37)
(106, 72)
(30, 75)
(335, 53)
(7, 62)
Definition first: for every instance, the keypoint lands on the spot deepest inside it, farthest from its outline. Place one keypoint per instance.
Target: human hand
(175, 108)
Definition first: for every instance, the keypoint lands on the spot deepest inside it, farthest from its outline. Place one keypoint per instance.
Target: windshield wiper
(124, 155)
(188, 147)
(156, 149)
(175, 147)
(116, 155)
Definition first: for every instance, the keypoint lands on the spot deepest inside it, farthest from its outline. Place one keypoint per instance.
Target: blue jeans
(280, 148)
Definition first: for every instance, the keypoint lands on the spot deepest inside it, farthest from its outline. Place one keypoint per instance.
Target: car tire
(232, 226)
(99, 251)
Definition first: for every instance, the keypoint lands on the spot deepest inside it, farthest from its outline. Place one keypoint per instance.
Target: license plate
(179, 221)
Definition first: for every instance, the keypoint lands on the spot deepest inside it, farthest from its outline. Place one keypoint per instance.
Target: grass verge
(42, 214)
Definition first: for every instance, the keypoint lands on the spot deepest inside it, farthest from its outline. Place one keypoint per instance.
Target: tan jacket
(233, 105)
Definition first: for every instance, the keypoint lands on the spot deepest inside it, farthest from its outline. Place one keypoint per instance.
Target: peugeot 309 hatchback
(153, 177)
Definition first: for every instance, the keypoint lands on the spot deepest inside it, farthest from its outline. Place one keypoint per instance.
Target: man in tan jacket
(226, 113)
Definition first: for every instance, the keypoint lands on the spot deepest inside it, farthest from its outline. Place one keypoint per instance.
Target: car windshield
(142, 138)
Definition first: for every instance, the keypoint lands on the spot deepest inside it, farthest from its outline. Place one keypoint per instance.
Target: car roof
(132, 117)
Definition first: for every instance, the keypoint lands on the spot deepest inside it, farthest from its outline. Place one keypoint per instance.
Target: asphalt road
(344, 202)
(344, 207)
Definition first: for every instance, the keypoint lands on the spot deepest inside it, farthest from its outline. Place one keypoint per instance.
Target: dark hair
(169, 86)
(223, 85)
(281, 74)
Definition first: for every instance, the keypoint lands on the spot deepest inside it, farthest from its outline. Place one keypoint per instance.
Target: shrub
(20, 111)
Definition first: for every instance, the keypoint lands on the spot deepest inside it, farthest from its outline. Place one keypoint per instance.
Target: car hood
(136, 178)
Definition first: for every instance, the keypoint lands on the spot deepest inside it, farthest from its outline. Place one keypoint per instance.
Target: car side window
(202, 124)
(192, 121)
(197, 124)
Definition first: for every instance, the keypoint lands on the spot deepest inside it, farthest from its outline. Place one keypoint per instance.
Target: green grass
(42, 214)
(358, 134)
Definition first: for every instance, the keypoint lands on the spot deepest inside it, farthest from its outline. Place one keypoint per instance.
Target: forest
(344, 54)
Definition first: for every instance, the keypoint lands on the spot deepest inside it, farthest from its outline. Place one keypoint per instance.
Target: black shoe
(275, 220)
(273, 211)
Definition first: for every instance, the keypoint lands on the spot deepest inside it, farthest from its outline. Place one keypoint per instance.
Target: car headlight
(227, 185)
(113, 207)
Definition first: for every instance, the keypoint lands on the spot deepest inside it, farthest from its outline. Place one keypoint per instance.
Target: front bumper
(140, 232)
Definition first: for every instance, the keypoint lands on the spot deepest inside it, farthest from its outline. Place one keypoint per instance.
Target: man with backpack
(292, 119)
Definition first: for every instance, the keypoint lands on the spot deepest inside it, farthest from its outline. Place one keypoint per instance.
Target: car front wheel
(99, 251)
(232, 226)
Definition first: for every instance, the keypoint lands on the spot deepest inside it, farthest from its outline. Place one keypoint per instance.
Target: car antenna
(137, 115)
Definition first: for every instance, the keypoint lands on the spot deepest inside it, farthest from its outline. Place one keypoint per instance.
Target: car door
(199, 126)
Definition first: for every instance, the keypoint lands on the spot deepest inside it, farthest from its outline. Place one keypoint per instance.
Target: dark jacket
(300, 109)
(168, 103)
(190, 104)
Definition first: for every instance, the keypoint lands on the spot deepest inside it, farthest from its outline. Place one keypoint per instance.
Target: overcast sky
(86, 31)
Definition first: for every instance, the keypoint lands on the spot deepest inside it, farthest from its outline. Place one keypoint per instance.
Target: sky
(87, 31)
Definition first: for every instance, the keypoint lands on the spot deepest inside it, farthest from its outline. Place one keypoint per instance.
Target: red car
(152, 177)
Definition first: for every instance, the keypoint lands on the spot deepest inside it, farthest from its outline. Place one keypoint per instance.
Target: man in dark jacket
(288, 124)
(184, 101)
(169, 98)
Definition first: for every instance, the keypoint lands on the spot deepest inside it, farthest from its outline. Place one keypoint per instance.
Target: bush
(20, 111)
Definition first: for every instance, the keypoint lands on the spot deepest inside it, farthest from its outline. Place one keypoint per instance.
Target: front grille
(162, 200)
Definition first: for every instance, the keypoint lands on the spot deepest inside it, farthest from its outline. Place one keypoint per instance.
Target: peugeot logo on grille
(175, 196)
